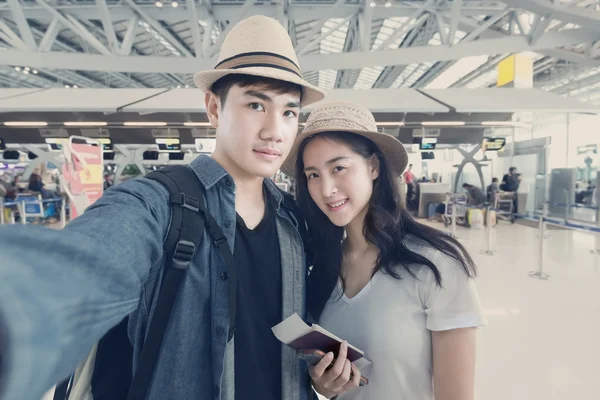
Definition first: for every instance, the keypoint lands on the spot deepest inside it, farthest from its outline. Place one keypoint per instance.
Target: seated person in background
(476, 195)
(492, 190)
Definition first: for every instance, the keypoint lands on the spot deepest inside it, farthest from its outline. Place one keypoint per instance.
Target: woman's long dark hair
(388, 226)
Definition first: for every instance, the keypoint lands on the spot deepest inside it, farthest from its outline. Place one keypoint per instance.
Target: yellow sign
(506, 71)
(516, 71)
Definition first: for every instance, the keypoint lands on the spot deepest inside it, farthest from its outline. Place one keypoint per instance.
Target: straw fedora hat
(259, 46)
(353, 118)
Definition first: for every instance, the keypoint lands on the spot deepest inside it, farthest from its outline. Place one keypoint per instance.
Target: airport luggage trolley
(503, 205)
(456, 211)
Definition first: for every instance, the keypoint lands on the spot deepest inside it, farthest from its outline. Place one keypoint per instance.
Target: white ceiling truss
(358, 44)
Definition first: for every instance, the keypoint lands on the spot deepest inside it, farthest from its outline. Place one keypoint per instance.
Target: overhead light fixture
(75, 87)
(442, 123)
(25, 123)
(499, 123)
(373, 4)
(159, 4)
(400, 123)
(27, 68)
(17, 69)
(197, 124)
(174, 4)
(388, 4)
(85, 123)
(35, 72)
(26, 72)
(144, 123)
(68, 86)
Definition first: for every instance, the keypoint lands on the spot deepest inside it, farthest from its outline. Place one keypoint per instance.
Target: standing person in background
(510, 183)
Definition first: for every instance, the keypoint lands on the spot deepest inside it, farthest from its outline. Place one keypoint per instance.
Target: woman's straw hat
(353, 118)
(259, 46)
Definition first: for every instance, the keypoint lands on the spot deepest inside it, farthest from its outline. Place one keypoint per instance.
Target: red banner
(82, 173)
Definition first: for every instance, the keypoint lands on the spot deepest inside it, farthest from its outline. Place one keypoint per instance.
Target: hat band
(260, 59)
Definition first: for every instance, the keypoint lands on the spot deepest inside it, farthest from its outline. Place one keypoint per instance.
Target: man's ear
(374, 164)
(213, 108)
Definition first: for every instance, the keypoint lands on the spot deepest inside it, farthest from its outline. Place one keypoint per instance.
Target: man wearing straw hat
(61, 291)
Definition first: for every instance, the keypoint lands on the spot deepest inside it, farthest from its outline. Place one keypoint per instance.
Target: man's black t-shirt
(259, 299)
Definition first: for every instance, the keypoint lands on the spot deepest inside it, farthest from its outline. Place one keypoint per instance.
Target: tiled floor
(542, 341)
(543, 338)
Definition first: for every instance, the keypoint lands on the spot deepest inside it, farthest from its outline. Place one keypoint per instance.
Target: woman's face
(339, 180)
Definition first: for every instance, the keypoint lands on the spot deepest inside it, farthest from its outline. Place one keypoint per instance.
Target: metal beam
(539, 27)
(226, 12)
(158, 27)
(130, 34)
(194, 26)
(21, 21)
(323, 35)
(410, 23)
(176, 65)
(11, 37)
(587, 18)
(207, 39)
(109, 30)
(365, 20)
(50, 35)
(76, 27)
(315, 29)
(241, 15)
(456, 7)
(282, 17)
(442, 30)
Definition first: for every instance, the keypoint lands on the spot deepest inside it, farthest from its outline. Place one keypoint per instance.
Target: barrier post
(488, 218)
(23, 215)
(63, 212)
(454, 217)
(540, 274)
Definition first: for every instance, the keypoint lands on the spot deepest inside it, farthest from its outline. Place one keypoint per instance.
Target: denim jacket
(61, 291)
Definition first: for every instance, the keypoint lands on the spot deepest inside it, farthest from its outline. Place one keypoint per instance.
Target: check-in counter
(431, 193)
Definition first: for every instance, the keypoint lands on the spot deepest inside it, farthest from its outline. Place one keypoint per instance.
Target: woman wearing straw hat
(399, 290)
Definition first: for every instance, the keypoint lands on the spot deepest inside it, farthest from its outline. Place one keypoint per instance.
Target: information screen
(493, 144)
(107, 145)
(171, 145)
(55, 144)
(428, 143)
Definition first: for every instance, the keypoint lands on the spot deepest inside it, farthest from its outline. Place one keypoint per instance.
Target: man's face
(256, 129)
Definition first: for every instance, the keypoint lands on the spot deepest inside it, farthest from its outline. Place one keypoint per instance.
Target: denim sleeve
(61, 290)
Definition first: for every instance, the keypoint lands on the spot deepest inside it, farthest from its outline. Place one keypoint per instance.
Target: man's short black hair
(494, 180)
(466, 185)
(512, 169)
(222, 86)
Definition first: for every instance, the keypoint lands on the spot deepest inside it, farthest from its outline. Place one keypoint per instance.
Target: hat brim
(392, 149)
(310, 94)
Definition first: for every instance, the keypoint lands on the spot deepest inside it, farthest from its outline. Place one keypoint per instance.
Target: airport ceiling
(435, 43)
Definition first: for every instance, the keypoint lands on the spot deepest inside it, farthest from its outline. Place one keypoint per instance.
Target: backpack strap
(189, 218)
(185, 234)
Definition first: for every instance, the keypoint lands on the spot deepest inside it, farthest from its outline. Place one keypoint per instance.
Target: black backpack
(112, 372)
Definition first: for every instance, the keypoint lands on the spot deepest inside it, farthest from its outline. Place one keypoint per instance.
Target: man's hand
(336, 380)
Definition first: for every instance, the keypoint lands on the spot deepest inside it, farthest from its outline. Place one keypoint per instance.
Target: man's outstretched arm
(60, 291)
